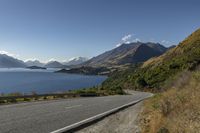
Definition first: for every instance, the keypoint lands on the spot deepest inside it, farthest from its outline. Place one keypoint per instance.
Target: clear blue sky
(62, 29)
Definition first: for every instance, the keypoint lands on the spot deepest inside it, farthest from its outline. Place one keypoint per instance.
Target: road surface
(49, 116)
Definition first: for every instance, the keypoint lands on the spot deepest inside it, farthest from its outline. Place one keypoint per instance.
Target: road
(48, 116)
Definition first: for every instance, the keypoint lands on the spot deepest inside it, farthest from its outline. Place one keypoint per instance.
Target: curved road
(49, 116)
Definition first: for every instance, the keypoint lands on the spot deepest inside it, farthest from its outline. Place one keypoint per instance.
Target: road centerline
(74, 106)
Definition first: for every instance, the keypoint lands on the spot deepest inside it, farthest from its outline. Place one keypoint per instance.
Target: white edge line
(72, 126)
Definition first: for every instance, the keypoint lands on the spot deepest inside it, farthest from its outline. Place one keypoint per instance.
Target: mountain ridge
(54, 64)
(125, 54)
(10, 62)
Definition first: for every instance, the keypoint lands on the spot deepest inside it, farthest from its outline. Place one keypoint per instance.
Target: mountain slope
(10, 62)
(155, 72)
(54, 64)
(127, 53)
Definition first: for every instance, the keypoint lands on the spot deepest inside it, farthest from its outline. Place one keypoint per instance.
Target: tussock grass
(175, 111)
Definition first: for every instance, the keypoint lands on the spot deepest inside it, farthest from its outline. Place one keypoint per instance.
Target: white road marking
(73, 106)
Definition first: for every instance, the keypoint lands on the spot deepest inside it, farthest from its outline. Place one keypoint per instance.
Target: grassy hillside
(176, 110)
(154, 73)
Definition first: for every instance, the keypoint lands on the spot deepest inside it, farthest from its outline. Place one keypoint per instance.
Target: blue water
(44, 81)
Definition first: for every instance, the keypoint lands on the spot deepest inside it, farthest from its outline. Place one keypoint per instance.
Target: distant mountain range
(132, 53)
(9, 62)
(34, 63)
(127, 53)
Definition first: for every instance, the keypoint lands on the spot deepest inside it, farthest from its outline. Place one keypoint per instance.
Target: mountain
(158, 71)
(127, 53)
(76, 61)
(34, 63)
(54, 64)
(10, 62)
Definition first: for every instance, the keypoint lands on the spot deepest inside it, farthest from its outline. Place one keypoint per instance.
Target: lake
(43, 81)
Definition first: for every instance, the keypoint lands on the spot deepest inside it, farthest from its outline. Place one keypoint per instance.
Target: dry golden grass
(176, 110)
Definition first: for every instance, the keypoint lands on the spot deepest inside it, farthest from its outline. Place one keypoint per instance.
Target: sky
(63, 29)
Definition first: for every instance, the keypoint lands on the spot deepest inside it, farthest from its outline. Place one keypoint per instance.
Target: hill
(177, 108)
(10, 62)
(126, 53)
(154, 73)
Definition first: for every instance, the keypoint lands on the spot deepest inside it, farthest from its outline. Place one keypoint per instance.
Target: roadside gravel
(124, 121)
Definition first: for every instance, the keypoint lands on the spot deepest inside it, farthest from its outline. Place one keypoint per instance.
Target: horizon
(61, 30)
(74, 58)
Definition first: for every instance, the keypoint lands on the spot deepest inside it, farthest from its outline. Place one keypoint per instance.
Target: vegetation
(18, 97)
(120, 78)
(86, 92)
(99, 91)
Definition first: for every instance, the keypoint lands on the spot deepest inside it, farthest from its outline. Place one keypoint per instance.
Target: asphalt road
(48, 116)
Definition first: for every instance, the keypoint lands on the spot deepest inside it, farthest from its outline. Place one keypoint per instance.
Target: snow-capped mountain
(76, 61)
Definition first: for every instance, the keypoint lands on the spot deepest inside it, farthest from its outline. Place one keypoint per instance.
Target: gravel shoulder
(124, 121)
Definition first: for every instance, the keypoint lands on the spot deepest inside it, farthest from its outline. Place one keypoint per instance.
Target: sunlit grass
(176, 111)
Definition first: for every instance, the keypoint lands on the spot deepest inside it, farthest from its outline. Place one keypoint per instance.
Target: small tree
(140, 82)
